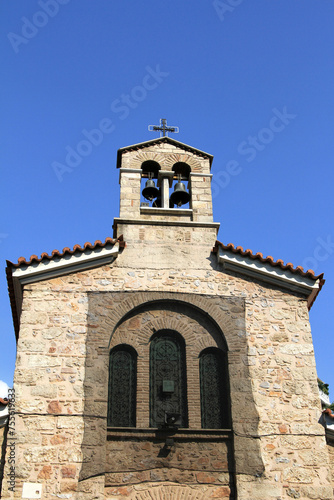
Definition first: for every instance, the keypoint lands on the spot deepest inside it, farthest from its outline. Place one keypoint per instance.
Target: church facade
(161, 363)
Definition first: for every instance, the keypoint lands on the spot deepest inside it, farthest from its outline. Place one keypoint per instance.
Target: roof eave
(307, 286)
(15, 298)
(54, 267)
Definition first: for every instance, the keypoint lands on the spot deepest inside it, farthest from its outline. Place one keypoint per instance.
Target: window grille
(214, 389)
(168, 388)
(122, 387)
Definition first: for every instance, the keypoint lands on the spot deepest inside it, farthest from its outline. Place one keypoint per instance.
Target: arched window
(122, 387)
(214, 389)
(168, 386)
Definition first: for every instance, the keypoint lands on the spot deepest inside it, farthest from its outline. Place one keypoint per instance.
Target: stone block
(68, 472)
(37, 361)
(45, 472)
(68, 455)
(45, 454)
(44, 391)
(318, 492)
(299, 475)
(265, 491)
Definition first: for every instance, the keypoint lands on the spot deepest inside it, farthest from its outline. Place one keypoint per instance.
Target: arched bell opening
(150, 167)
(180, 196)
(181, 169)
(149, 191)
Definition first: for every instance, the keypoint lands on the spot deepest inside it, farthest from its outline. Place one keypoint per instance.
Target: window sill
(165, 211)
(178, 434)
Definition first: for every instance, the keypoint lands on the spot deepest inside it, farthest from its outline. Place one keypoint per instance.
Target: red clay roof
(66, 251)
(268, 260)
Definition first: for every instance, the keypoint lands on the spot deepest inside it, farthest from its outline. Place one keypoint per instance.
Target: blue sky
(249, 82)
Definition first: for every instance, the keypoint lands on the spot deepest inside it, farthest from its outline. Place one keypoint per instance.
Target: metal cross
(163, 128)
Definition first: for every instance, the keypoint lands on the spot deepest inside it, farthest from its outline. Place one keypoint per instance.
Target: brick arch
(170, 322)
(194, 164)
(182, 327)
(219, 318)
(166, 161)
(144, 334)
(143, 156)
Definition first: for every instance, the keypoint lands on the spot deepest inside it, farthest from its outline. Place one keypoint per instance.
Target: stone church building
(161, 363)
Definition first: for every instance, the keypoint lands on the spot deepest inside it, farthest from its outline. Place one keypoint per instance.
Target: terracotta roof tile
(269, 260)
(66, 251)
(328, 412)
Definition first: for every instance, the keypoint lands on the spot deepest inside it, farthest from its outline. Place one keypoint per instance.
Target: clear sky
(250, 82)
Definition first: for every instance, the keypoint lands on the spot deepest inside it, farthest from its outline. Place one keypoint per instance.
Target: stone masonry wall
(201, 198)
(200, 465)
(275, 404)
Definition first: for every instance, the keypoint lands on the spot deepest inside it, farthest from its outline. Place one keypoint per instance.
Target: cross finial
(163, 128)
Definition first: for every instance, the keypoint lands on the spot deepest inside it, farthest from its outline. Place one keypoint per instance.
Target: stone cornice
(198, 174)
(152, 222)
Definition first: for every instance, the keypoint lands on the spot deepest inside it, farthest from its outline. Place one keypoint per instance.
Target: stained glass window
(122, 387)
(168, 388)
(214, 389)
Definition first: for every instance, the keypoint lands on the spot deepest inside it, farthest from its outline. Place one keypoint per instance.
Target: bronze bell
(180, 196)
(150, 191)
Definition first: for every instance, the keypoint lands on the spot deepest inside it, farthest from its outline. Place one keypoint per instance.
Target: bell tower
(165, 196)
